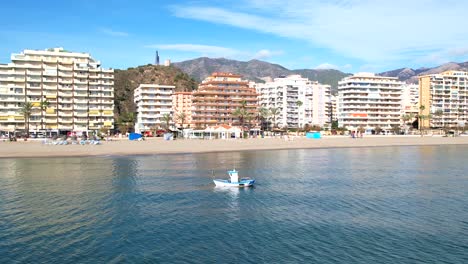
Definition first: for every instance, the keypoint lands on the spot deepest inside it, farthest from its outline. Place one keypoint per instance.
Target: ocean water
(356, 205)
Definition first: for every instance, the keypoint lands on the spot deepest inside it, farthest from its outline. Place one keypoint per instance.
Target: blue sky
(349, 35)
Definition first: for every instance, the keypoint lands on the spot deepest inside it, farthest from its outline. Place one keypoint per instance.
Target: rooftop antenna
(156, 59)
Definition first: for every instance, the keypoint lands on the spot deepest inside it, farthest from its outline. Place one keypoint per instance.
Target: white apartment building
(152, 102)
(410, 99)
(445, 99)
(368, 101)
(318, 108)
(75, 93)
(334, 104)
(299, 101)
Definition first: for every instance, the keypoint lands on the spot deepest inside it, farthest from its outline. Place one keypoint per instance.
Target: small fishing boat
(234, 180)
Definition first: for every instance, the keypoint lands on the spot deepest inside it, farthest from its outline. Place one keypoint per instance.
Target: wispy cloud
(204, 50)
(266, 54)
(375, 31)
(326, 66)
(113, 33)
(329, 66)
(216, 51)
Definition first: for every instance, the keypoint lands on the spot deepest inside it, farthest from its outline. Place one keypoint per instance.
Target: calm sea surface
(362, 205)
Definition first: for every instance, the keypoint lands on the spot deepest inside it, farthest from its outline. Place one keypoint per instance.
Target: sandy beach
(159, 146)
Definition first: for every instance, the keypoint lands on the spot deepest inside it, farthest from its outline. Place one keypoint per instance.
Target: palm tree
(241, 114)
(26, 110)
(407, 118)
(299, 103)
(263, 116)
(377, 130)
(43, 106)
(167, 120)
(422, 117)
(181, 117)
(439, 113)
(274, 112)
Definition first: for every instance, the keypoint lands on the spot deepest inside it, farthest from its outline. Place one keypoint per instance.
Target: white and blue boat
(234, 180)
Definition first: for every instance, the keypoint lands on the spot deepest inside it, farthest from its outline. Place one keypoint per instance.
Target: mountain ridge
(254, 70)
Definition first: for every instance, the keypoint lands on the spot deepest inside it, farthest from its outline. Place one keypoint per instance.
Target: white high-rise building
(298, 100)
(319, 106)
(152, 102)
(410, 99)
(368, 101)
(68, 91)
(334, 104)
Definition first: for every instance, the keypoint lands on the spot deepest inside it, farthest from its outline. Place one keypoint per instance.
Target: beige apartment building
(152, 102)
(79, 94)
(444, 99)
(182, 104)
(218, 96)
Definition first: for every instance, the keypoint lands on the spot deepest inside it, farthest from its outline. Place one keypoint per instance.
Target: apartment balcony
(94, 114)
(75, 94)
(81, 107)
(65, 121)
(65, 74)
(65, 81)
(80, 81)
(65, 108)
(94, 76)
(80, 75)
(107, 83)
(65, 88)
(62, 94)
(80, 114)
(66, 101)
(65, 68)
(80, 120)
(50, 121)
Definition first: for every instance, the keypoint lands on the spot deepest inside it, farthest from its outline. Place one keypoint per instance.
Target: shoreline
(154, 146)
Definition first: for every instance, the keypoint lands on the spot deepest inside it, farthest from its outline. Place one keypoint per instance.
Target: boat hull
(226, 183)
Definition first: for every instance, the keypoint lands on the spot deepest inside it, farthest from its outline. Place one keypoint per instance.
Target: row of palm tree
(26, 111)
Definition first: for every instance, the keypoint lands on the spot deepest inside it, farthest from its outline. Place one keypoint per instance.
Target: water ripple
(377, 205)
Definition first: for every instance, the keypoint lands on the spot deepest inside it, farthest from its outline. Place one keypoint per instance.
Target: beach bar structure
(214, 132)
(68, 91)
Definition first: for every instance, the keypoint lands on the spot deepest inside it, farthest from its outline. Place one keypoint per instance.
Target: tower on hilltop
(156, 59)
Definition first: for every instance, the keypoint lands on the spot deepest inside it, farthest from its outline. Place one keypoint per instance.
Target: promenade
(35, 148)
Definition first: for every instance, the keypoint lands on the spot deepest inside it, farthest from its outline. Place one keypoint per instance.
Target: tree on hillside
(126, 122)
